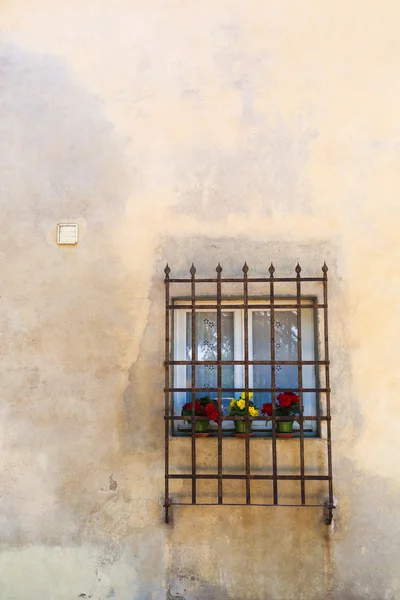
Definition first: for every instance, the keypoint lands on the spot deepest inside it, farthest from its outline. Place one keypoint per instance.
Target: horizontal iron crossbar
(223, 363)
(324, 505)
(273, 304)
(255, 477)
(249, 389)
(227, 306)
(242, 279)
(271, 419)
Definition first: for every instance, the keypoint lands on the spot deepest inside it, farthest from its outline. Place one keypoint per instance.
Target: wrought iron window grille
(270, 302)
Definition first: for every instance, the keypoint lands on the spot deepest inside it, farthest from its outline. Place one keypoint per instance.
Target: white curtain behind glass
(286, 348)
(207, 349)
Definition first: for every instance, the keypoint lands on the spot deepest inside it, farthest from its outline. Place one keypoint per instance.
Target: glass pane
(286, 349)
(207, 349)
(261, 334)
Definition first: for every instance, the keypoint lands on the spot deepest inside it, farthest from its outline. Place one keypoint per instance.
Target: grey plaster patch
(65, 155)
(190, 587)
(233, 252)
(143, 425)
(60, 159)
(147, 551)
(264, 172)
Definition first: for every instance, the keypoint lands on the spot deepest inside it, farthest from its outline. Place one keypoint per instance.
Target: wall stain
(67, 161)
(113, 484)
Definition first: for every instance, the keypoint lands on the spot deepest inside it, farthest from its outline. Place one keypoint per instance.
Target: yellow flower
(233, 402)
(241, 404)
(243, 395)
(253, 411)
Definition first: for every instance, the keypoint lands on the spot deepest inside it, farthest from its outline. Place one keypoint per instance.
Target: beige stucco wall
(207, 131)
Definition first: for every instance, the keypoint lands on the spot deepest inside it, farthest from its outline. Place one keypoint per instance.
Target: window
(232, 349)
(222, 344)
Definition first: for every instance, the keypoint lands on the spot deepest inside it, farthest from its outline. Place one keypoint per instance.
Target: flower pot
(201, 428)
(240, 428)
(284, 429)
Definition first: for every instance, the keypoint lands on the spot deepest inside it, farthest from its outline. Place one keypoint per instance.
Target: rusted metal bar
(300, 380)
(259, 418)
(253, 504)
(273, 382)
(193, 382)
(167, 271)
(219, 383)
(253, 477)
(330, 507)
(242, 362)
(226, 306)
(251, 389)
(246, 379)
(249, 280)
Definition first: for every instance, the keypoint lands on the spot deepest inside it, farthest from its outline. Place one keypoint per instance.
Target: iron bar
(255, 504)
(246, 380)
(254, 477)
(328, 396)
(251, 389)
(219, 356)
(250, 279)
(167, 271)
(193, 379)
(277, 418)
(228, 306)
(273, 381)
(300, 380)
(242, 362)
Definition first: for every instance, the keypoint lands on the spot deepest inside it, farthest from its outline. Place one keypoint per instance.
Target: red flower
(212, 412)
(284, 400)
(287, 399)
(198, 408)
(293, 396)
(267, 409)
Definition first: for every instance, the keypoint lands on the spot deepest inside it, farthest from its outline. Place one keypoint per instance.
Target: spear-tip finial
(325, 269)
(298, 269)
(167, 270)
(192, 270)
(271, 270)
(219, 269)
(245, 268)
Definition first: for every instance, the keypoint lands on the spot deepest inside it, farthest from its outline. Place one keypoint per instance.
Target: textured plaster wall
(190, 131)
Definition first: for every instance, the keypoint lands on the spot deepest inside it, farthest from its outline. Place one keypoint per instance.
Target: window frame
(312, 428)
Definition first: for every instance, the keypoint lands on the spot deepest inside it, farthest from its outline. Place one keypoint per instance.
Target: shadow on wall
(143, 425)
(60, 159)
(59, 153)
(218, 547)
(352, 569)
